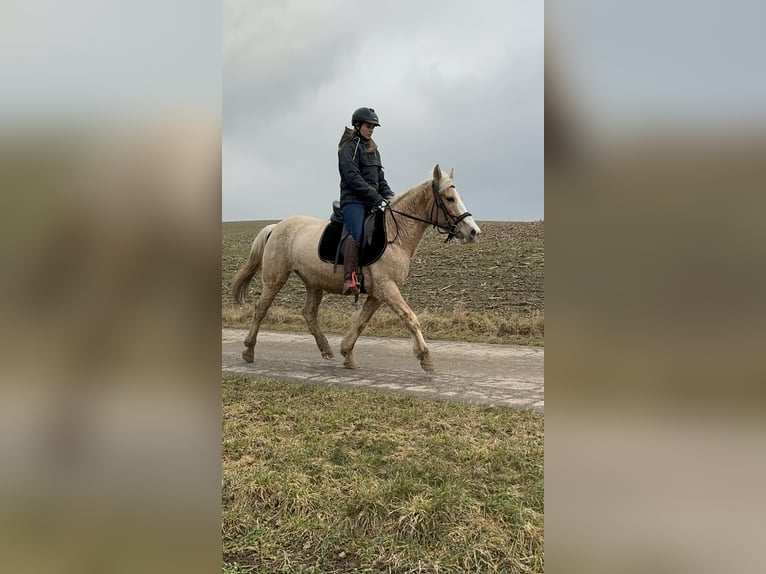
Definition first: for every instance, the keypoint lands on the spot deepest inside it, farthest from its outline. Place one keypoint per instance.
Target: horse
(291, 246)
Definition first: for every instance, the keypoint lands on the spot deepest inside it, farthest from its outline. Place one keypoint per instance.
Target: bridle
(438, 204)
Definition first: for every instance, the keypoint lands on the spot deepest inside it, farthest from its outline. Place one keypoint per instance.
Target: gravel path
(506, 375)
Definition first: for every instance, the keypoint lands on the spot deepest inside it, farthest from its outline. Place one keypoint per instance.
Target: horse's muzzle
(469, 232)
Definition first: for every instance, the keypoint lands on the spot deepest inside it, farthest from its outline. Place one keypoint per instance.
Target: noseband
(438, 204)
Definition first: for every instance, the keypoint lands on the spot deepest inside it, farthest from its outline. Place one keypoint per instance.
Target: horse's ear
(437, 173)
(451, 172)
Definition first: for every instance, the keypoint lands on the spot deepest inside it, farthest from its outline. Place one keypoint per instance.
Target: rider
(362, 186)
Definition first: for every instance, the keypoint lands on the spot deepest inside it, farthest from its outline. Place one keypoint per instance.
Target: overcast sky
(456, 83)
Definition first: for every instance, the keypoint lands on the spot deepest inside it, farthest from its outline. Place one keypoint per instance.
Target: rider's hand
(382, 204)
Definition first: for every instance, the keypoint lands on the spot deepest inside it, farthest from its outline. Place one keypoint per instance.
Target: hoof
(350, 364)
(429, 368)
(248, 355)
(328, 356)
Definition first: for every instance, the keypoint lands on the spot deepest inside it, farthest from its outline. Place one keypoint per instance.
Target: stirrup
(353, 287)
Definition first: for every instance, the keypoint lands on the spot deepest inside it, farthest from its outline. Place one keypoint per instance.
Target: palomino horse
(292, 246)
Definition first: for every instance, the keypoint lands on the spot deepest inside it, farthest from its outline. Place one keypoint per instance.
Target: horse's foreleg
(358, 324)
(264, 302)
(394, 299)
(310, 312)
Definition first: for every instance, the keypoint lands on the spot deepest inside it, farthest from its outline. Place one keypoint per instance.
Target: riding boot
(350, 260)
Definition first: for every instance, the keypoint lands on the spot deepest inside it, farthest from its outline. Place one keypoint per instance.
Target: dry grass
(327, 480)
(458, 325)
(488, 292)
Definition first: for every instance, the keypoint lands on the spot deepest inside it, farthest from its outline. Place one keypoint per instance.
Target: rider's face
(366, 130)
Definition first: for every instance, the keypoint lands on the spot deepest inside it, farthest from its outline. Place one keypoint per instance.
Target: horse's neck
(417, 202)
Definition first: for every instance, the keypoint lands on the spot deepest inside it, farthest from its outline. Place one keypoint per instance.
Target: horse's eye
(451, 199)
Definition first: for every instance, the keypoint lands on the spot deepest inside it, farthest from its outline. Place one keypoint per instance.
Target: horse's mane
(413, 194)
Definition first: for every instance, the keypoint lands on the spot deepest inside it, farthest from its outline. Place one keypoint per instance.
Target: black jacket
(361, 173)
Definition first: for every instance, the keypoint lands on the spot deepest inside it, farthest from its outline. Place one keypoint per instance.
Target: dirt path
(508, 375)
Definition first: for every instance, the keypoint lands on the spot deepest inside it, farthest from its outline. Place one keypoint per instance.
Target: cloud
(455, 84)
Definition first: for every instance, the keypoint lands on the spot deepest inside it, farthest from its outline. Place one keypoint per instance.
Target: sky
(455, 83)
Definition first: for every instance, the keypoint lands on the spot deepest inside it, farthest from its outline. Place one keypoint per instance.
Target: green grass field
(328, 480)
(491, 291)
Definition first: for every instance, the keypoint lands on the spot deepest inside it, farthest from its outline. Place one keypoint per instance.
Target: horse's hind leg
(270, 291)
(310, 312)
(393, 298)
(358, 324)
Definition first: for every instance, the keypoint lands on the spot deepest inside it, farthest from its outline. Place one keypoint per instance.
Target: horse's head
(452, 217)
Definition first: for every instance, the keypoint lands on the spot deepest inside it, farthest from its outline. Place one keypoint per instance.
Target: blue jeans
(353, 216)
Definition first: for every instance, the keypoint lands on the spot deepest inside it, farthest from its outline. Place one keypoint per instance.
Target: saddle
(371, 247)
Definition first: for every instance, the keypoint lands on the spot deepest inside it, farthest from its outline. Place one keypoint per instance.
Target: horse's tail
(245, 275)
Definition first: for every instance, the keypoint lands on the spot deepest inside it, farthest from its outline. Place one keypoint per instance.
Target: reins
(438, 203)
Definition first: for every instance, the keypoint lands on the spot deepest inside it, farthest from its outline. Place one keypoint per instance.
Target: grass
(491, 291)
(327, 480)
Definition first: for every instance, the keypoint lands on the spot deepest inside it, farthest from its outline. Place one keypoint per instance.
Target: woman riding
(362, 186)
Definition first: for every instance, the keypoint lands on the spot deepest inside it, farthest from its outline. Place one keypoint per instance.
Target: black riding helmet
(365, 115)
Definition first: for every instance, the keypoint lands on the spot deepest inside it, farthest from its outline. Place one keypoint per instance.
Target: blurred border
(110, 164)
(655, 146)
